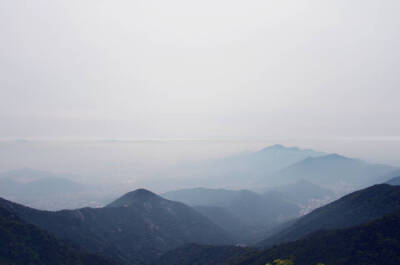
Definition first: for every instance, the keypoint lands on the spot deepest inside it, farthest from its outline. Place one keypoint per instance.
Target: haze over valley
(214, 132)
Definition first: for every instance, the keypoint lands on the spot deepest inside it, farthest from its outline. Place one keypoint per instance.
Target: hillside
(354, 209)
(192, 254)
(22, 243)
(135, 228)
(374, 243)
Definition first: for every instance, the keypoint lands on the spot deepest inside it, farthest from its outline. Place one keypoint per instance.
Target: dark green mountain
(22, 243)
(136, 228)
(354, 209)
(374, 243)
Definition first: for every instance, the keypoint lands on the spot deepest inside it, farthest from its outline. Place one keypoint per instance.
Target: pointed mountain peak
(274, 147)
(136, 196)
(336, 156)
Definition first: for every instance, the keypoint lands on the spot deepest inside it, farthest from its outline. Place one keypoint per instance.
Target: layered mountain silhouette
(135, 228)
(22, 243)
(353, 209)
(245, 214)
(278, 165)
(302, 192)
(242, 170)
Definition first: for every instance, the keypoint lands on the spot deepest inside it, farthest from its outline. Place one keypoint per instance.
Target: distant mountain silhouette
(46, 190)
(135, 228)
(332, 170)
(354, 209)
(29, 182)
(22, 243)
(394, 181)
(241, 170)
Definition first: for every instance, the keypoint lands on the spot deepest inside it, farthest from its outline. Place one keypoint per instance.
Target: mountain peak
(274, 147)
(139, 195)
(336, 156)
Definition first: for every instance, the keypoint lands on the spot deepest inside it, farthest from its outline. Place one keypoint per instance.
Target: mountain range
(246, 169)
(135, 228)
(360, 228)
(373, 243)
(278, 165)
(245, 214)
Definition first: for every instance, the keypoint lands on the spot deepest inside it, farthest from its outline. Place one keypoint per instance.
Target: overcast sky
(199, 69)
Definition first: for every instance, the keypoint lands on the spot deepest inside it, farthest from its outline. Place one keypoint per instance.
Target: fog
(212, 69)
(116, 93)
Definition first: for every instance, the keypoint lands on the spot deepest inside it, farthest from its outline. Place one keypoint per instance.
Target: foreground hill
(354, 209)
(192, 254)
(22, 243)
(374, 243)
(135, 228)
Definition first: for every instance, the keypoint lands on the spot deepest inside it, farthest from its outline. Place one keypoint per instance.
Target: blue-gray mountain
(280, 165)
(242, 170)
(334, 170)
(251, 215)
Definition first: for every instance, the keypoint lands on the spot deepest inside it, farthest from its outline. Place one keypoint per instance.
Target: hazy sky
(199, 69)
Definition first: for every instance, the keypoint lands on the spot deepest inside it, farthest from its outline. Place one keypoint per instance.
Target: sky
(211, 69)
